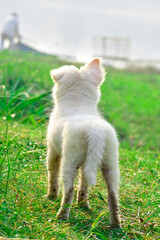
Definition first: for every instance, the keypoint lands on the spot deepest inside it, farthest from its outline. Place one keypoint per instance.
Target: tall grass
(18, 102)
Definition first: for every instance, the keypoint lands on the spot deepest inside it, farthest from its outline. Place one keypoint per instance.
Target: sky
(69, 26)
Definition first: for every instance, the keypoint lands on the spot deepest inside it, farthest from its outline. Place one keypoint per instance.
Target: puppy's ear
(56, 74)
(96, 71)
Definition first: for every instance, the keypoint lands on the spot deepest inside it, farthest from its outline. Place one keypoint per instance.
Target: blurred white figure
(10, 30)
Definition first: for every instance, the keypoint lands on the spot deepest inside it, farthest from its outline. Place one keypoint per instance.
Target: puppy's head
(71, 79)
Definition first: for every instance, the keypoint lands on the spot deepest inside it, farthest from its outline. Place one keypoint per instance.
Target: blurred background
(122, 32)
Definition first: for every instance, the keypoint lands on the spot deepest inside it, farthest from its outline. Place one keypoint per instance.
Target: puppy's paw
(50, 196)
(115, 225)
(83, 204)
(62, 214)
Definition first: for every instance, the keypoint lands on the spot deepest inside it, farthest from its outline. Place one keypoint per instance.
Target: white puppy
(78, 137)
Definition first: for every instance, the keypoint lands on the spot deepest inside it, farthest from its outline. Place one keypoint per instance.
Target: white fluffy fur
(77, 133)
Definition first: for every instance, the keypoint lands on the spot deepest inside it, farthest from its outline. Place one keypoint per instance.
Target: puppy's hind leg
(68, 175)
(82, 195)
(53, 165)
(72, 157)
(112, 180)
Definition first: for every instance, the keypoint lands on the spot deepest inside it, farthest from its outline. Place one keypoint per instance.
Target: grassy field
(130, 100)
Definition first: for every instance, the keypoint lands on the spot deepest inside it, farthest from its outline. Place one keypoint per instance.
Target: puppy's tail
(95, 152)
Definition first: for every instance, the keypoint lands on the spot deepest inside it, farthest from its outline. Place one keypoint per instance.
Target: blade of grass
(27, 102)
(8, 175)
(8, 63)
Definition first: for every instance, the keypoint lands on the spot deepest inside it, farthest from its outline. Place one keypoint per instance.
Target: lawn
(130, 100)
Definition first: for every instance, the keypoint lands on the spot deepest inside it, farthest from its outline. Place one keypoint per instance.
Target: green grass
(129, 101)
